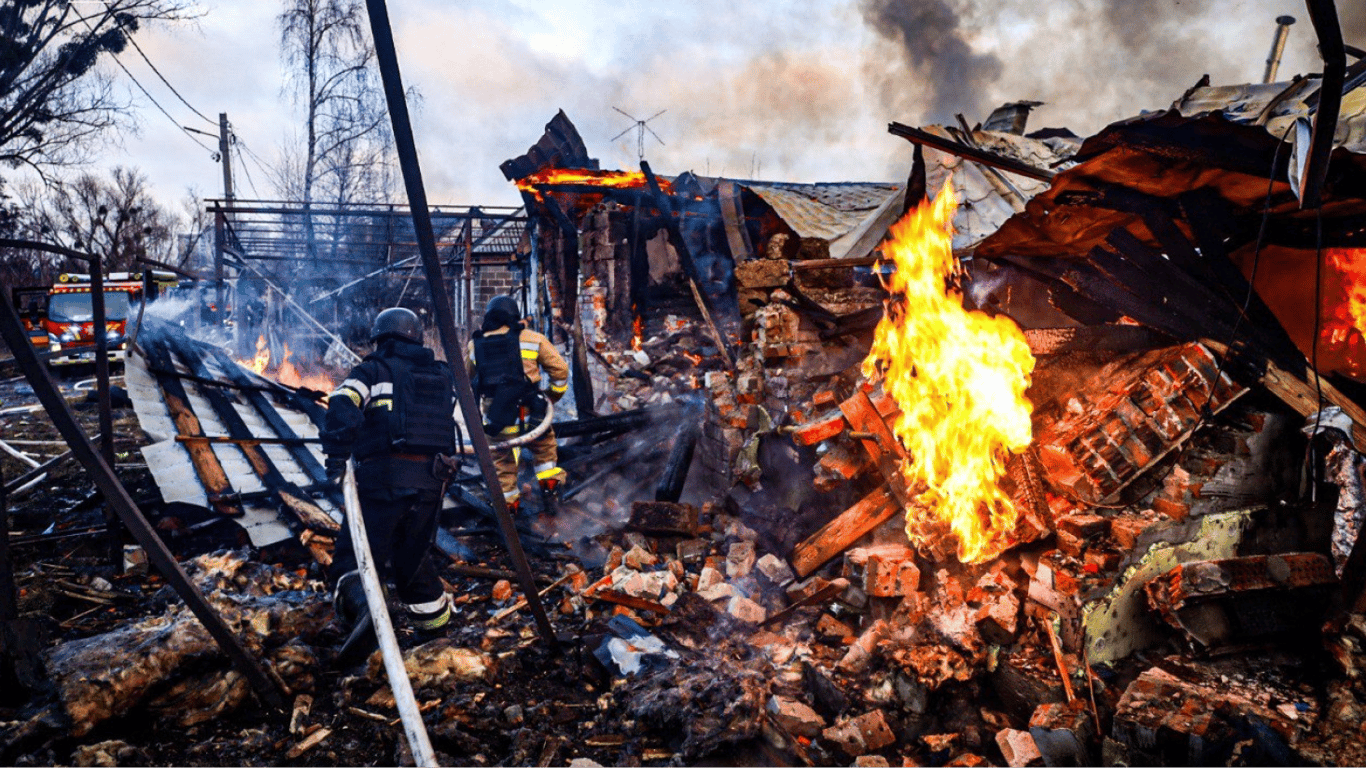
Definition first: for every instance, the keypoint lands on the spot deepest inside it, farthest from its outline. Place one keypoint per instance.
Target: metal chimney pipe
(1273, 59)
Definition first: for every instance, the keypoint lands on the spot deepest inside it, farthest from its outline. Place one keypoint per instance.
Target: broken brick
(860, 735)
(885, 571)
(1018, 748)
(795, 717)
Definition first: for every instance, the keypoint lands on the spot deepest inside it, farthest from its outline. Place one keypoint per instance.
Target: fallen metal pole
(106, 414)
(387, 56)
(402, 687)
(917, 136)
(1324, 15)
(12, 330)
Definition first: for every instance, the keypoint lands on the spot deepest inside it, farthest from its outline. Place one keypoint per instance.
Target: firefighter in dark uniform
(505, 361)
(393, 415)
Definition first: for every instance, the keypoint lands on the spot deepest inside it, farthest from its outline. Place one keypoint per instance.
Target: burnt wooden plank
(293, 442)
(1206, 211)
(878, 441)
(290, 495)
(838, 534)
(217, 486)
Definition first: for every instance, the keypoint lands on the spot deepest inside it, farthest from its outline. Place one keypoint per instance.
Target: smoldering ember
(1051, 451)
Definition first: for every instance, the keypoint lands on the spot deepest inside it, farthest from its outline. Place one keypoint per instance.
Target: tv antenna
(640, 128)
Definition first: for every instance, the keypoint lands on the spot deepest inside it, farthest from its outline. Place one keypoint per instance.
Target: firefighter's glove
(336, 469)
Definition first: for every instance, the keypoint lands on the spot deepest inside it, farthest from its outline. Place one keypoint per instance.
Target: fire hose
(402, 688)
(521, 439)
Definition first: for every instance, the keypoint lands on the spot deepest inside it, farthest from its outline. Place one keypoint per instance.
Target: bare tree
(346, 139)
(53, 101)
(115, 217)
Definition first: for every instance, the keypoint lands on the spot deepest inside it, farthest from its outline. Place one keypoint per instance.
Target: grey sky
(797, 91)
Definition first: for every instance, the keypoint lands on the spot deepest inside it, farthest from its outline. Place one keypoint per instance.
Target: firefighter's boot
(550, 497)
(354, 615)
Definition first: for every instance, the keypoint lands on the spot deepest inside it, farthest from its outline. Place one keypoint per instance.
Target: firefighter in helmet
(505, 362)
(393, 415)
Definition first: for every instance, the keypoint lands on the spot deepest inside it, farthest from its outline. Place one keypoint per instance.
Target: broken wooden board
(838, 534)
(1303, 396)
(879, 442)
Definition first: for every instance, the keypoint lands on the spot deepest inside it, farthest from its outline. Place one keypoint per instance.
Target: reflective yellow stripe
(510, 430)
(348, 393)
(381, 402)
(557, 388)
(549, 473)
(436, 622)
(528, 354)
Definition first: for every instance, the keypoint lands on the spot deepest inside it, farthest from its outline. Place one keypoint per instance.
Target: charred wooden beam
(917, 190)
(675, 474)
(117, 497)
(917, 136)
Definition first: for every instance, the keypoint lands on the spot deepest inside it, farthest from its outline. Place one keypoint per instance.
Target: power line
(145, 92)
(160, 108)
(245, 169)
(163, 79)
(255, 158)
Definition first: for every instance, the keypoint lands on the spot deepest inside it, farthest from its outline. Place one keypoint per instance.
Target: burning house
(1050, 453)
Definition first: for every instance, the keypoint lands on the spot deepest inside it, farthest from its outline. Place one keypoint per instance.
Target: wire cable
(145, 92)
(245, 170)
(163, 79)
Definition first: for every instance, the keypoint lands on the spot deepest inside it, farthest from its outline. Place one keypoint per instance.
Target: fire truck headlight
(68, 336)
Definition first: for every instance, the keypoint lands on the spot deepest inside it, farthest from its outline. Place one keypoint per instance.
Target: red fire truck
(67, 317)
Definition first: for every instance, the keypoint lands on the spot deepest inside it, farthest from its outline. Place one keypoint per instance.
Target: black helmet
(398, 322)
(501, 310)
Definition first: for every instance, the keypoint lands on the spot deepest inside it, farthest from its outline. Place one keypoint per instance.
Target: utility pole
(220, 218)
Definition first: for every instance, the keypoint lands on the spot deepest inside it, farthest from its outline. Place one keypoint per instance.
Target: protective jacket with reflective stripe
(537, 354)
(393, 412)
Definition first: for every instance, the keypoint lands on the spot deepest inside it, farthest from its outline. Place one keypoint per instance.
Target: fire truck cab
(68, 317)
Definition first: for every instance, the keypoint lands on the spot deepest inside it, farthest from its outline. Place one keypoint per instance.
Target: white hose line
(88, 385)
(522, 439)
(413, 727)
(21, 409)
(18, 454)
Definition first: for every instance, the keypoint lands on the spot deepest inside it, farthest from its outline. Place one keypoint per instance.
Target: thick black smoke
(956, 77)
(1091, 62)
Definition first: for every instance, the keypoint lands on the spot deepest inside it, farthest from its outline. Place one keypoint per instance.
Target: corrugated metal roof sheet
(984, 200)
(170, 461)
(1276, 106)
(837, 213)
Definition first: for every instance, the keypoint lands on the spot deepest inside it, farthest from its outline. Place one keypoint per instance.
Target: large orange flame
(285, 372)
(1343, 336)
(959, 378)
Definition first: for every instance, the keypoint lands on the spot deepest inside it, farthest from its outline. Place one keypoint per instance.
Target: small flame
(1343, 336)
(262, 359)
(959, 378)
(696, 359)
(637, 331)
